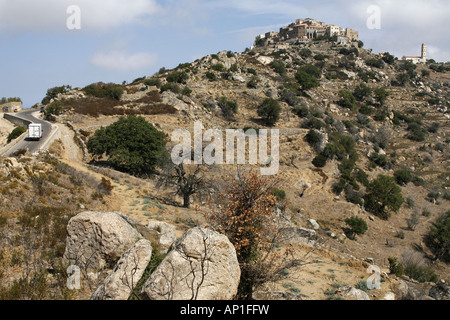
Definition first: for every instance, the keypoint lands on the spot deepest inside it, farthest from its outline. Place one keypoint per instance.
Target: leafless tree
(185, 181)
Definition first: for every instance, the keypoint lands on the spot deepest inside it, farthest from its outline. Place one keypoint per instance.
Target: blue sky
(121, 40)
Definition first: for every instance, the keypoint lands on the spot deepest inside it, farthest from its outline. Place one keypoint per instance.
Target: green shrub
(306, 81)
(313, 123)
(270, 110)
(421, 273)
(373, 62)
(403, 177)
(395, 267)
(362, 91)
(438, 238)
(278, 66)
(178, 77)
(416, 132)
(174, 87)
(381, 95)
(104, 90)
(228, 107)
(153, 82)
(320, 161)
(301, 111)
(186, 91)
(305, 53)
(253, 82)
(357, 225)
(54, 109)
(279, 194)
(383, 194)
(17, 132)
(379, 160)
(52, 93)
(434, 127)
(289, 97)
(347, 99)
(218, 67)
(320, 57)
(210, 76)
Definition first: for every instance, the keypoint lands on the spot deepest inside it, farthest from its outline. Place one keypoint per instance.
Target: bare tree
(185, 180)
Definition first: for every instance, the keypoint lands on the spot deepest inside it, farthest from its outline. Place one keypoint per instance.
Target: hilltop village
(305, 30)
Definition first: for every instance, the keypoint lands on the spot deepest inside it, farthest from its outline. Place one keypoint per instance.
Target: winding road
(32, 146)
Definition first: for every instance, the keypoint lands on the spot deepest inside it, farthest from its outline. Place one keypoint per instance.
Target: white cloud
(51, 15)
(121, 61)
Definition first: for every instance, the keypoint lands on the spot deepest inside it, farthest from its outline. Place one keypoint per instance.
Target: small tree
(438, 238)
(278, 66)
(306, 80)
(131, 144)
(381, 95)
(269, 109)
(383, 194)
(403, 177)
(347, 100)
(178, 77)
(362, 91)
(357, 225)
(228, 107)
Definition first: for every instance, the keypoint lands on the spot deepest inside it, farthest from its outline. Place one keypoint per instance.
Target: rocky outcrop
(406, 290)
(440, 291)
(97, 240)
(297, 235)
(166, 232)
(127, 273)
(353, 293)
(202, 266)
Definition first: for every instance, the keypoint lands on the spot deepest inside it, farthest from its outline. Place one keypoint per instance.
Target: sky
(48, 43)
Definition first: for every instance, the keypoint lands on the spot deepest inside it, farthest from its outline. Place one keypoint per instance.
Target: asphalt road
(32, 146)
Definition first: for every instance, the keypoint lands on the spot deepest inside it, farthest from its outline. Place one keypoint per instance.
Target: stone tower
(424, 52)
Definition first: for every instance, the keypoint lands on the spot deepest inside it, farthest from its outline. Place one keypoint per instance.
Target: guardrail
(16, 120)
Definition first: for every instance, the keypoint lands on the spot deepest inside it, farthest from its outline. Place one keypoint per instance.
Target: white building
(421, 59)
(333, 30)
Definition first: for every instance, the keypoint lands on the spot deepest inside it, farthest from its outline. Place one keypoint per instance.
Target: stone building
(11, 107)
(351, 34)
(304, 30)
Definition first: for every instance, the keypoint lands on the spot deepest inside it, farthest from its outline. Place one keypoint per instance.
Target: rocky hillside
(347, 117)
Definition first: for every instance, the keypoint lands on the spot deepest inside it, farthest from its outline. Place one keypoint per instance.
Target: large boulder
(297, 235)
(202, 266)
(353, 293)
(127, 273)
(406, 290)
(96, 240)
(440, 291)
(166, 232)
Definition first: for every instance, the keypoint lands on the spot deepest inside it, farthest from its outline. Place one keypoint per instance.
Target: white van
(35, 131)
